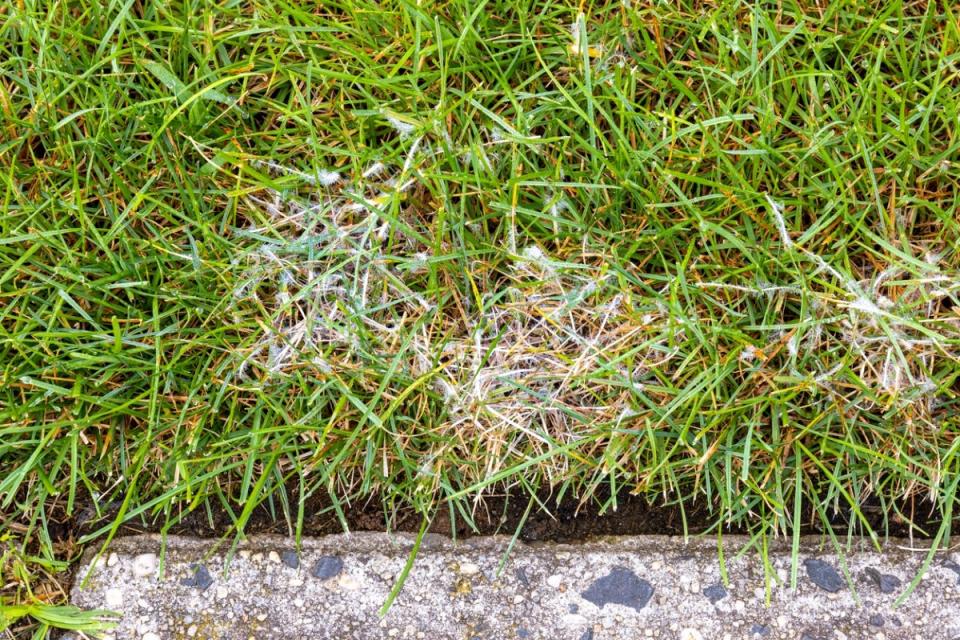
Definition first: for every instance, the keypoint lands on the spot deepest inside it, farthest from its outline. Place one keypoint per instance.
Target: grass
(255, 252)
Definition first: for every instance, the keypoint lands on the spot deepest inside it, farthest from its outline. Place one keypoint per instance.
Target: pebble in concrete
(715, 593)
(144, 565)
(953, 566)
(521, 575)
(620, 586)
(759, 630)
(291, 559)
(113, 598)
(200, 578)
(886, 582)
(823, 575)
(327, 567)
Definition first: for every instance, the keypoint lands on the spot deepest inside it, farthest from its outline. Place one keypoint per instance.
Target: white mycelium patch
(548, 346)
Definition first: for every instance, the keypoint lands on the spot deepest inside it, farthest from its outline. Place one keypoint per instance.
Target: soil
(566, 521)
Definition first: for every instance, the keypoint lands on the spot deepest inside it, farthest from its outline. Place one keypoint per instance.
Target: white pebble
(150, 635)
(690, 634)
(112, 559)
(469, 569)
(274, 557)
(348, 583)
(192, 630)
(555, 581)
(113, 598)
(574, 620)
(145, 565)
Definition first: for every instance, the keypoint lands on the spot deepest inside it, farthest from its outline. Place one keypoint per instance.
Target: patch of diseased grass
(703, 253)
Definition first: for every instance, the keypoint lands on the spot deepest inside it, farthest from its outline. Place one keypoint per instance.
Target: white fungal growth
(894, 376)
(328, 178)
(323, 177)
(867, 306)
(575, 33)
(793, 345)
(419, 262)
(403, 128)
(533, 253)
(374, 170)
(540, 350)
(776, 209)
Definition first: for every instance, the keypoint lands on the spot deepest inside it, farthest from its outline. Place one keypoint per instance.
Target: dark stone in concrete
(715, 593)
(884, 581)
(291, 559)
(521, 574)
(201, 578)
(587, 635)
(327, 567)
(620, 586)
(953, 566)
(823, 575)
(523, 633)
(876, 620)
(759, 630)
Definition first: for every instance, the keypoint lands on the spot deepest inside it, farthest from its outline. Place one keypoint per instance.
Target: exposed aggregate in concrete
(611, 589)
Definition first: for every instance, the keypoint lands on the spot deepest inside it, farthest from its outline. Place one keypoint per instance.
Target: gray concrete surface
(612, 589)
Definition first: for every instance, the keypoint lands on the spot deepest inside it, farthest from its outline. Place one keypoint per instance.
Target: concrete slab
(612, 589)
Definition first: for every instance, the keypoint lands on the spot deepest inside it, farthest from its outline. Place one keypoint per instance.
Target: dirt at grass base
(566, 520)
